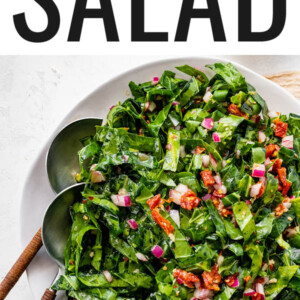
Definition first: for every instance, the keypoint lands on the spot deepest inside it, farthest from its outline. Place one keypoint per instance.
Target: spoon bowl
(62, 159)
(57, 222)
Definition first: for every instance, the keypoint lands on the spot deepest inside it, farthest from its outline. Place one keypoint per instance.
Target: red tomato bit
(188, 279)
(162, 222)
(207, 178)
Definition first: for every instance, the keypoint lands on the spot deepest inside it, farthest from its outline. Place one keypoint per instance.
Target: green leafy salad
(192, 192)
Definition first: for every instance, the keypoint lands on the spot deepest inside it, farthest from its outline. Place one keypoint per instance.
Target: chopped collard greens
(192, 192)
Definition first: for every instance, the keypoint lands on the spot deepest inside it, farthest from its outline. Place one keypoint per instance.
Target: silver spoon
(54, 234)
(57, 222)
(62, 158)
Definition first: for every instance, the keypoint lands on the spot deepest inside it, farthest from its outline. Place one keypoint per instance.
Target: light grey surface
(35, 94)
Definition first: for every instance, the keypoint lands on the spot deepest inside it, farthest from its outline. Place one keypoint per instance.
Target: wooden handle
(20, 265)
(49, 295)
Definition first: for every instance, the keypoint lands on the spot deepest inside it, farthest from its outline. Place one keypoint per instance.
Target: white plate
(37, 193)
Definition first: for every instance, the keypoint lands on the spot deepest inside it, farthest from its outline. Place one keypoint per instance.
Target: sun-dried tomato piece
(207, 178)
(217, 203)
(218, 194)
(247, 278)
(277, 165)
(189, 200)
(280, 128)
(280, 187)
(270, 149)
(286, 188)
(212, 279)
(226, 212)
(162, 222)
(229, 280)
(282, 175)
(188, 279)
(256, 296)
(261, 191)
(199, 150)
(235, 110)
(281, 208)
(154, 202)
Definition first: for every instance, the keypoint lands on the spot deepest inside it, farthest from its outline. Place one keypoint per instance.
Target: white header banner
(172, 27)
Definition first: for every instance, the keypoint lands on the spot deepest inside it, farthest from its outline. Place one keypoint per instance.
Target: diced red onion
(108, 276)
(181, 188)
(155, 80)
(174, 103)
(97, 177)
(121, 200)
(152, 106)
(182, 151)
(157, 251)
(208, 95)
(126, 158)
(288, 142)
(292, 197)
(216, 137)
(175, 196)
(213, 162)
(208, 123)
(267, 162)
(257, 119)
(223, 189)
(206, 197)
(218, 179)
(93, 167)
(141, 257)
(146, 107)
(133, 224)
(220, 260)
(236, 283)
(255, 189)
(258, 170)
(248, 202)
(168, 208)
(264, 267)
(265, 280)
(208, 88)
(291, 232)
(111, 107)
(272, 114)
(260, 290)
(197, 284)
(203, 294)
(174, 214)
(169, 147)
(261, 137)
(171, 237)
(180, 281)
(249, 293)
(205, 160)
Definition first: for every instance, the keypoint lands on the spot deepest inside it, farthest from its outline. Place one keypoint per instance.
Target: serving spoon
(53, 234)
(62, 157)
(62, 165)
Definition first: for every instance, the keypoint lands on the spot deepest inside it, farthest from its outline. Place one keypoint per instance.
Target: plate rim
(64, 122)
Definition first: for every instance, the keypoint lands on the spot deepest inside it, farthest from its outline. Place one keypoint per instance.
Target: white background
(161, 15)
(35, 94)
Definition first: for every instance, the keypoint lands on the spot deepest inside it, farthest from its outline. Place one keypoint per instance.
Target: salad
(192, 192)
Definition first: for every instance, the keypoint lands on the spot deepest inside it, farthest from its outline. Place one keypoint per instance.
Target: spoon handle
(49, 295)
(20, 265)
